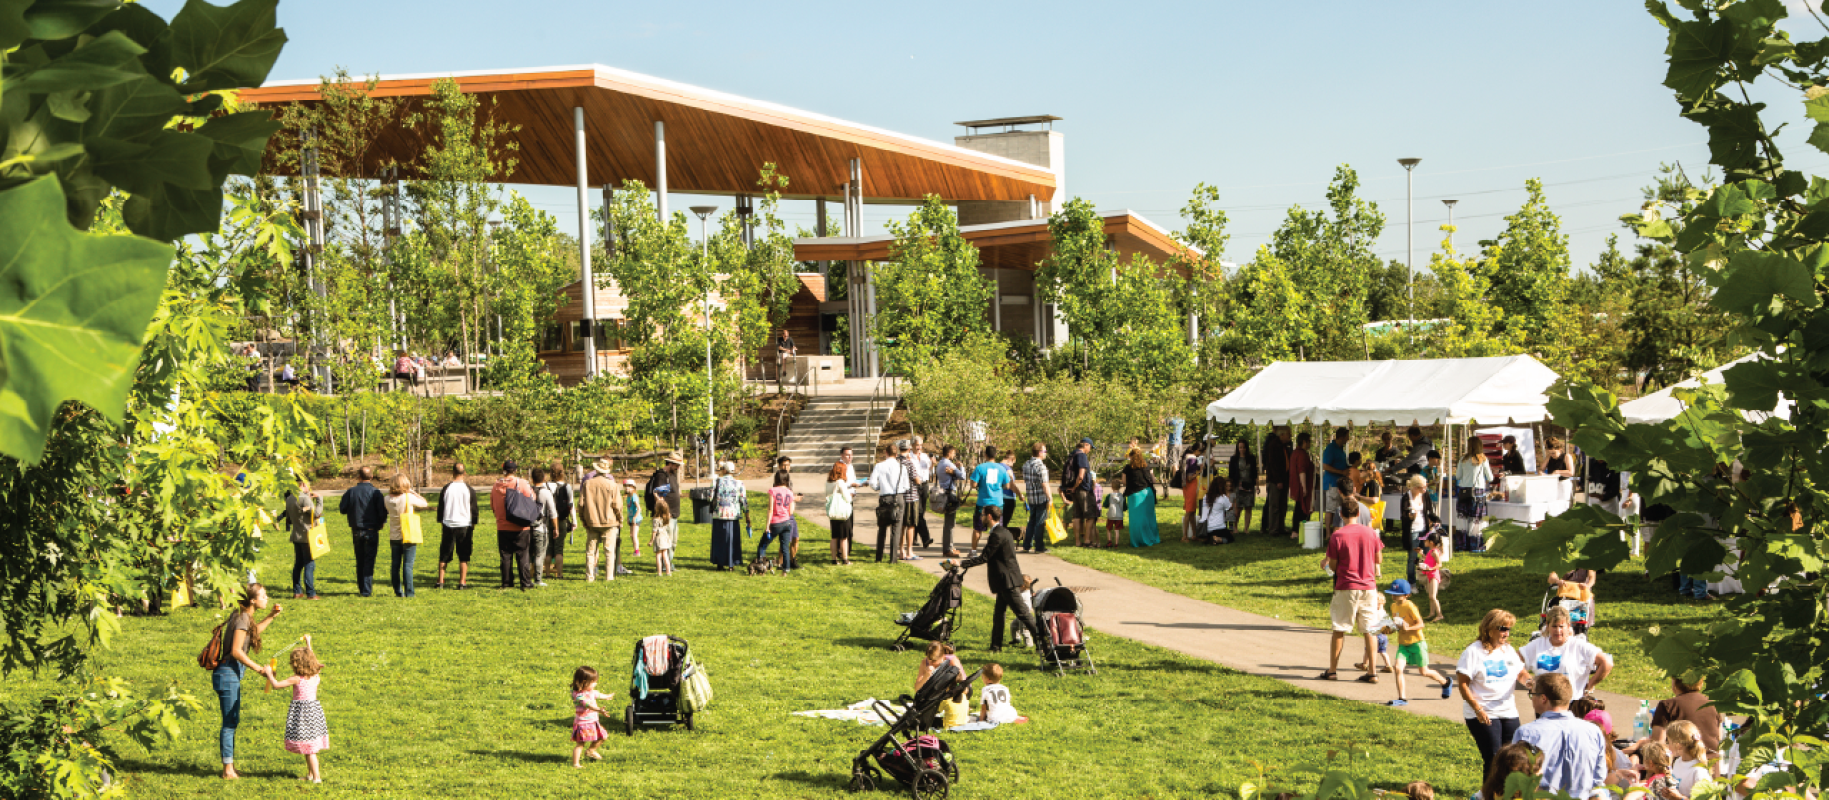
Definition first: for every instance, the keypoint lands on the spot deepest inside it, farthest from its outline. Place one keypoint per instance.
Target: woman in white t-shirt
(1488, 672)
(1472, 478)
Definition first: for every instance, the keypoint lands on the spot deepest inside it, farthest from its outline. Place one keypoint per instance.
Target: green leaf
(109, 59)
(1728, 202)
(180, 159)
(241, 141)
(13, 29)
(1755, 385)
(62, 19)
(1754, 279)
(70, 106)
(1698, 50)
(226, 48)
(171, 212)
(73, 310)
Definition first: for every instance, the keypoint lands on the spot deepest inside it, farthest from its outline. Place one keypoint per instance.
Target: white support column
(660, 171)
(588, 282)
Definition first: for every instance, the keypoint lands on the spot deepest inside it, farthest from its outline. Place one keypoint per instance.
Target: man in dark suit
(1005, 577)
(366, 511)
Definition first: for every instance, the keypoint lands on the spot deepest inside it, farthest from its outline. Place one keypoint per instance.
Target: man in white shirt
(923, 470)
(890, 480)
(1560, 651)
(457, 515)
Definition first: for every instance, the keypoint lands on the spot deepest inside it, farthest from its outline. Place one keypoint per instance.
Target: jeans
(367, 543)
(920, 515)
(889, 525)
(1035, 535)
(400, 568)
(226, 680)
(304, 566)
(538, 544)
(1276, 508)
(1490, 737)
(1411, 557)
(783, 531)
(1009, 511)
(1011, 600)
(1696, 588)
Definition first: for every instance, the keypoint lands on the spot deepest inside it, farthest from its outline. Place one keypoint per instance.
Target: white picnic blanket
(861, 712)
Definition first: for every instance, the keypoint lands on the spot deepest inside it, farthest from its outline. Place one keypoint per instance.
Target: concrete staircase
(827, 425)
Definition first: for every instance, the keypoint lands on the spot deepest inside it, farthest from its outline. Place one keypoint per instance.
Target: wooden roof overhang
(716, 142)
(1006, 245)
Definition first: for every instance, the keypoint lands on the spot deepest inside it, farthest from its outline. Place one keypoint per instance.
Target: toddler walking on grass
(1412, 650)
(1114, 513)
(586, 731)
(307, 733)
(662, 540)
(631, 499)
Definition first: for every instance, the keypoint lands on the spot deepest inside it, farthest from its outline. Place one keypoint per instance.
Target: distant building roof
(1009, 122)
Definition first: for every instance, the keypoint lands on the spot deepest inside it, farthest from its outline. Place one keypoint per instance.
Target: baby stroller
(916, 760)
(666, 686)
(1581, 612)
(1058, 611)
(938, 618)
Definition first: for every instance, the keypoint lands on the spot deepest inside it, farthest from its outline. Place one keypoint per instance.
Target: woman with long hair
(1472, 480)
(241, 635)
(1140, 500)
(303, 509)
(1241, 471)
(838, 483)
(1301, 483)
(402, 501)
(1512, 759)
(1487, 673)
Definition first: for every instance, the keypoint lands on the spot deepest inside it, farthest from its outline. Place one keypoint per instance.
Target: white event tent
(1450, 392)
(1663, 404)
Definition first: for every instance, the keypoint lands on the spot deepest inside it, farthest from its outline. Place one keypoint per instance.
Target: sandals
(1330, 675)
(1368, 678)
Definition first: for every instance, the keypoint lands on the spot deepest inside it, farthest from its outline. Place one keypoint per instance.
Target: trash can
(701, 505)
(1311, 535)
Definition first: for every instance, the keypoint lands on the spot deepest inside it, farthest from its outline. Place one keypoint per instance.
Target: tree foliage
(1126, 317)
(930, 296)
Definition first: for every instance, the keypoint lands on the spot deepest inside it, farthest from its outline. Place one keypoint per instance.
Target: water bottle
(1641, 722)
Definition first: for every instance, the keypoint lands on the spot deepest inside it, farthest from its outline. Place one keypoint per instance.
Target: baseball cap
(1085, 440)
(510, 466)
(1399, 587)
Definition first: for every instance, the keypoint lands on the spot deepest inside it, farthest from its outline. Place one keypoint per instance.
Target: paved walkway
(1246, 642)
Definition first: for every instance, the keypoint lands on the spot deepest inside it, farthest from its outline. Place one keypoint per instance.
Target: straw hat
(603, 466)
(675, 458)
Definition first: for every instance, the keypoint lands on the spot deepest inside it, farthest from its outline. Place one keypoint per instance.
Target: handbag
(1056, 531)
(1176, 480)
(936, 496)
(521, 510)
(838, 506)
(317, 536)
(409, 527)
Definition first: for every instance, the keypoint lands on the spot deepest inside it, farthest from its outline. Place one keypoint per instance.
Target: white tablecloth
(1528, 513)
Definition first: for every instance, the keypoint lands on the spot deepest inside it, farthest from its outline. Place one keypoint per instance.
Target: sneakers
(1398, 702)
(622, 570)
(1445, 688)
(541, 584)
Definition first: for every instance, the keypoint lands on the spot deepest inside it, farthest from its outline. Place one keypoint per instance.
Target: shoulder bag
(838, 506)
(409, 523)
(317, 535)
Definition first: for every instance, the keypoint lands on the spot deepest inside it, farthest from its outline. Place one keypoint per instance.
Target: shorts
(979, 522)
(1244, 499)
(1413, 654)
(1114, 524)
(1384, 643)
(1084, 506)
(456, 541)
(1330, 502)
(1353, 609)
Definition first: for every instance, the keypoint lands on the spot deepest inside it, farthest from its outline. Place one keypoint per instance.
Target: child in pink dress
(585, 728)
(307, 733)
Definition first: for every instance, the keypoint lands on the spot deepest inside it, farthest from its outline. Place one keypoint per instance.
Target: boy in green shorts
(1411, 649)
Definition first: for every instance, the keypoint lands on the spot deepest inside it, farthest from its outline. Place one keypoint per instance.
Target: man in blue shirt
(366, 511)
(991, 478)
(1076, 488)
(1333, 470)
(1574, 750)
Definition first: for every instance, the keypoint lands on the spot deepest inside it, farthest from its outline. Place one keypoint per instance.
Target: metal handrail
(781, 418)
(876, 395)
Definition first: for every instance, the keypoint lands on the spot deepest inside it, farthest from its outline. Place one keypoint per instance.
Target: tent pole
(1452, 495)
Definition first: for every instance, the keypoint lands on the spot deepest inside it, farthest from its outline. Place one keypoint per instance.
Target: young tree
(1127, 317)
(930, 297)
(1527, 269)
(1205, 234)
(1331, 264)
(1675, 332)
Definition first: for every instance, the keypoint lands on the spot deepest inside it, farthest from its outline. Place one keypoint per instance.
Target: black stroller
(1058, 611)
(938, 618)
(917, 760)
(665, 693)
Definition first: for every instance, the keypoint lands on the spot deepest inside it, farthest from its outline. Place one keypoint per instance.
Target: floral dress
(306, 730)
(585, 728)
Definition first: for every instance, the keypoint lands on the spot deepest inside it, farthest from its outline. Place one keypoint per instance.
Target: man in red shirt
(511, 540)
(1353, 556)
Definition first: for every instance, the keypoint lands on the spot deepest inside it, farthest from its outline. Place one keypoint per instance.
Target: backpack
(211, 657)
(562, 500)
(1064, 629)
(1180, 477)
(520, 509)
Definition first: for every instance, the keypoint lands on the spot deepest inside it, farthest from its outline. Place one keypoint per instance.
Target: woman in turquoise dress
(1140, 500)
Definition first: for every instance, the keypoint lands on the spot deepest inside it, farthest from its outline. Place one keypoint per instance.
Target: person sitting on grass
(1216, 513)
(1419, 790)
(994, 701)
(1514, 758)
(1412, 648)
(937, 653)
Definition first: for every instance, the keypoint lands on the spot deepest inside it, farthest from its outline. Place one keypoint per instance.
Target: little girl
(1430, 570)
(1114, 512)
(585, 730)
(306, 731)
(662, 539)
(1655, 758)
(631, 498)
(937, 653)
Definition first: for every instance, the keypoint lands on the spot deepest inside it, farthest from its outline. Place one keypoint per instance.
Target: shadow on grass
(208, 771)
(529, 758)
(824, 780)
(885, 643)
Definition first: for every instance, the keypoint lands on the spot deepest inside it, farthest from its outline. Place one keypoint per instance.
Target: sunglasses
(1506, 629)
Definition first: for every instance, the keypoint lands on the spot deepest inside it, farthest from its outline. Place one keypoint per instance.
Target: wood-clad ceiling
(1004, 245)
(716, 143)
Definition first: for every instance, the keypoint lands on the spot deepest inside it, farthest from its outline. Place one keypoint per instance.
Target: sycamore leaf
(226, 47)
(1753, 280)
(241, 140)
(62, 19)
(73, 311)
(13, 29)
(1697, 52)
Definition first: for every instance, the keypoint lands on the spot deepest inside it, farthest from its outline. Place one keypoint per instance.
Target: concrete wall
(1041, 148)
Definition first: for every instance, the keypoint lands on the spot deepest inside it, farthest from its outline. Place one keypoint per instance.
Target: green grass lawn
(1278, 578)
(465, 694)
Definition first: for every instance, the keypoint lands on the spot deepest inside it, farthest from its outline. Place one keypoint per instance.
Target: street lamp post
(1450, 205)
(711, 417)
(1409, 165)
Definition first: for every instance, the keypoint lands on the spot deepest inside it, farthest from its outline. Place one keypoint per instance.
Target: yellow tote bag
(317, 535)
(1056, 531)
(409, 527)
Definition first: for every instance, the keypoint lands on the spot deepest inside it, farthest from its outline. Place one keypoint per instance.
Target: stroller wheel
(688, 720)
(628, 720)
(929, 784)
(864, 780)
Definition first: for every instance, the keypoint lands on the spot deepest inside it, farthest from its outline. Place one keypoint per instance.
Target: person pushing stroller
(1005, 577)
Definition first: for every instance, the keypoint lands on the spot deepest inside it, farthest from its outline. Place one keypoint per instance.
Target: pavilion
(596, 126)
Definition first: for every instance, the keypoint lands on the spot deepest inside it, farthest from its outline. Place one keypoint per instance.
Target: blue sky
(1262, 100)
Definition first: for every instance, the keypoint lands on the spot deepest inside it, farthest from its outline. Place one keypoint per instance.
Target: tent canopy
(1663, 404)
(1427, 392)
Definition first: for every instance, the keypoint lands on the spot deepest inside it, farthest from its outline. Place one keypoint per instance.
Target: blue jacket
(364, 507)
